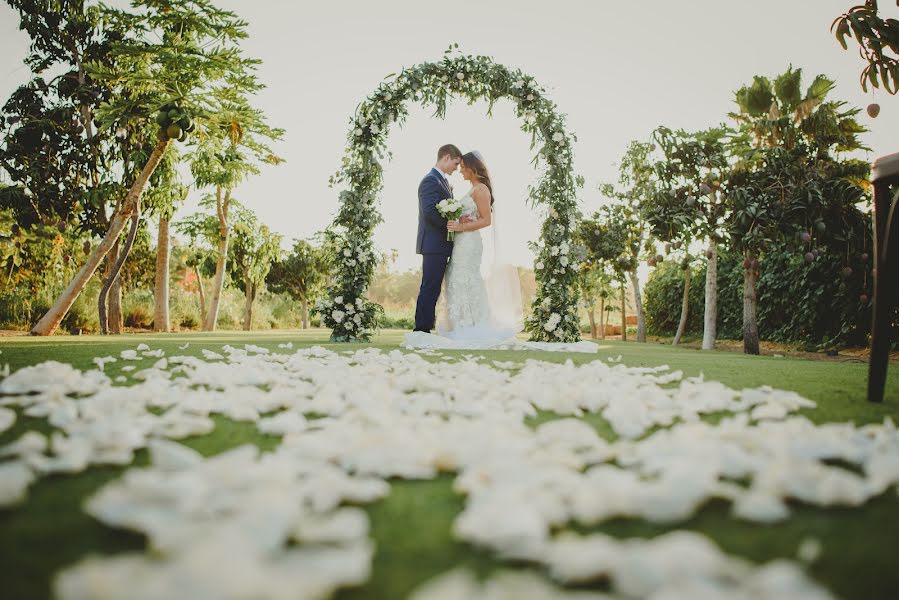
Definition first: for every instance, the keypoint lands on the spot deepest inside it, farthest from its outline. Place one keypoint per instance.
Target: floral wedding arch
(345, 309)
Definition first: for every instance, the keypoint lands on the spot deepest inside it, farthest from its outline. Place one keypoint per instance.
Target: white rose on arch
(337, 315)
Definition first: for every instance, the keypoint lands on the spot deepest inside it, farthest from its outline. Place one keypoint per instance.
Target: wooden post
(885, 177)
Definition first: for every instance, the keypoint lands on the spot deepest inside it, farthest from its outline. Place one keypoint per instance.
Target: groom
(432, 244)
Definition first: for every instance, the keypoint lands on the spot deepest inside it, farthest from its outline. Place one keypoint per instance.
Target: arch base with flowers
(345, 309)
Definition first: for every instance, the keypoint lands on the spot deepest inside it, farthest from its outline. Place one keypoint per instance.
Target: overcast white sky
(617, 69)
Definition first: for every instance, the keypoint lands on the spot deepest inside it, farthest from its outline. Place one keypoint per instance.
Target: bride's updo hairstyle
(471, 161)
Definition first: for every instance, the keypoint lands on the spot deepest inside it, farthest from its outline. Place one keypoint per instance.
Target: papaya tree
(163, 196)
(698, 162)
(301, 274)
(177, 61)
(790, 175)
(254, 250)
(233, 151)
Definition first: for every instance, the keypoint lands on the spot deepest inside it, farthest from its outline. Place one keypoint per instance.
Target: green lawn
(412, 526)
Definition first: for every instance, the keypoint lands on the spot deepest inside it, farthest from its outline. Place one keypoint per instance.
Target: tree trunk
(202, 294)
(114, 279)
(304, 311)
(590, 313)
(221, 263)
(638, 300)
(248, 309)
(111, 311)
(750, 312)
(161, 287)
(602, 317)
(115, 320)
(684, 309)
(623, 313)
(710, 328)
(49, 323)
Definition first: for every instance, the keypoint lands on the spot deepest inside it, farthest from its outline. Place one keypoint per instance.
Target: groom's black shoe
(423, 330)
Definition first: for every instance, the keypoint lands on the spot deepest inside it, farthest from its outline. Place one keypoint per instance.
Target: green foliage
(878, 41)
(301, 274)
(663, 295)
(817, 305)
(253, 249)
(686, 202)
(554, 315)
(60, 164)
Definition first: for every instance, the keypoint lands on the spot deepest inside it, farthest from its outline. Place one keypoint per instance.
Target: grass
(412, 527)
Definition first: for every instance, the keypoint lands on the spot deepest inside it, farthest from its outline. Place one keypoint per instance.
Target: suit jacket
(431, 225)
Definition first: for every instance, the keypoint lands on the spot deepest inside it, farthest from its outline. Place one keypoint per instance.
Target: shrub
(812, 303)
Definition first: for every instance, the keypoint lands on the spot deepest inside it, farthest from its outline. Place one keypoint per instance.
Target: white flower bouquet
(451, 210)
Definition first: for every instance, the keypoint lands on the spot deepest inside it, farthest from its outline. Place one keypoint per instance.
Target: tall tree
(221, 162)
(671, 212)
(791, 174)
(697, 163)
(62, 165)
(606, 240)
(177, 60)
(164, 195)
(636, 186)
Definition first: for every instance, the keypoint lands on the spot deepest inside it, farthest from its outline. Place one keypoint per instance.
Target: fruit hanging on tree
(873, 110)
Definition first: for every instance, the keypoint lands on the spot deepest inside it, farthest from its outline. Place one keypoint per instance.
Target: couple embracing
(461, 261)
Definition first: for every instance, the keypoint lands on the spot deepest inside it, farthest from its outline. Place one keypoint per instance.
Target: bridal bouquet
(450, 209)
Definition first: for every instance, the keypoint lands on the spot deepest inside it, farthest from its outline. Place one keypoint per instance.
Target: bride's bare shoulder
(480, 189)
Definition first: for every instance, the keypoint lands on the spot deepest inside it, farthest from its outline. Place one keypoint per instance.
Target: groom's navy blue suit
(433, 246)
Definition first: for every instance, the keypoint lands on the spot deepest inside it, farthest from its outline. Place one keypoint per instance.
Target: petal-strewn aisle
(281, 524)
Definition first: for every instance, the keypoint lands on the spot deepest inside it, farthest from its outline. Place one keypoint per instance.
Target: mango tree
(671, 210)
(605, 240)
(636, 185)
(790, 174)
(177, 61)
(301, 274)
(65, 171)
(254, 250)
(699, 162)
(878, 42)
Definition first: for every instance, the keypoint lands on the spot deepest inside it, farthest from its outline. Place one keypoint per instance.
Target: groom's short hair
(448, 149)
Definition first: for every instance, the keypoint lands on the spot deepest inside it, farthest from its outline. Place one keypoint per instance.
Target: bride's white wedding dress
(469, 317)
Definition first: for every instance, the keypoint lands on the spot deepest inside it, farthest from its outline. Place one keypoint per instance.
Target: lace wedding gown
(466, 320)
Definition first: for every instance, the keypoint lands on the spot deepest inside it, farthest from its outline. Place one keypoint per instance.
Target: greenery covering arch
(344, 308)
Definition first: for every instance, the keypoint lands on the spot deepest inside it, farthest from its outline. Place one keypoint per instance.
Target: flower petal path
(353, 420)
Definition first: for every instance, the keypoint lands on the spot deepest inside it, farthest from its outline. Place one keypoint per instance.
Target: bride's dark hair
(471, 161)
